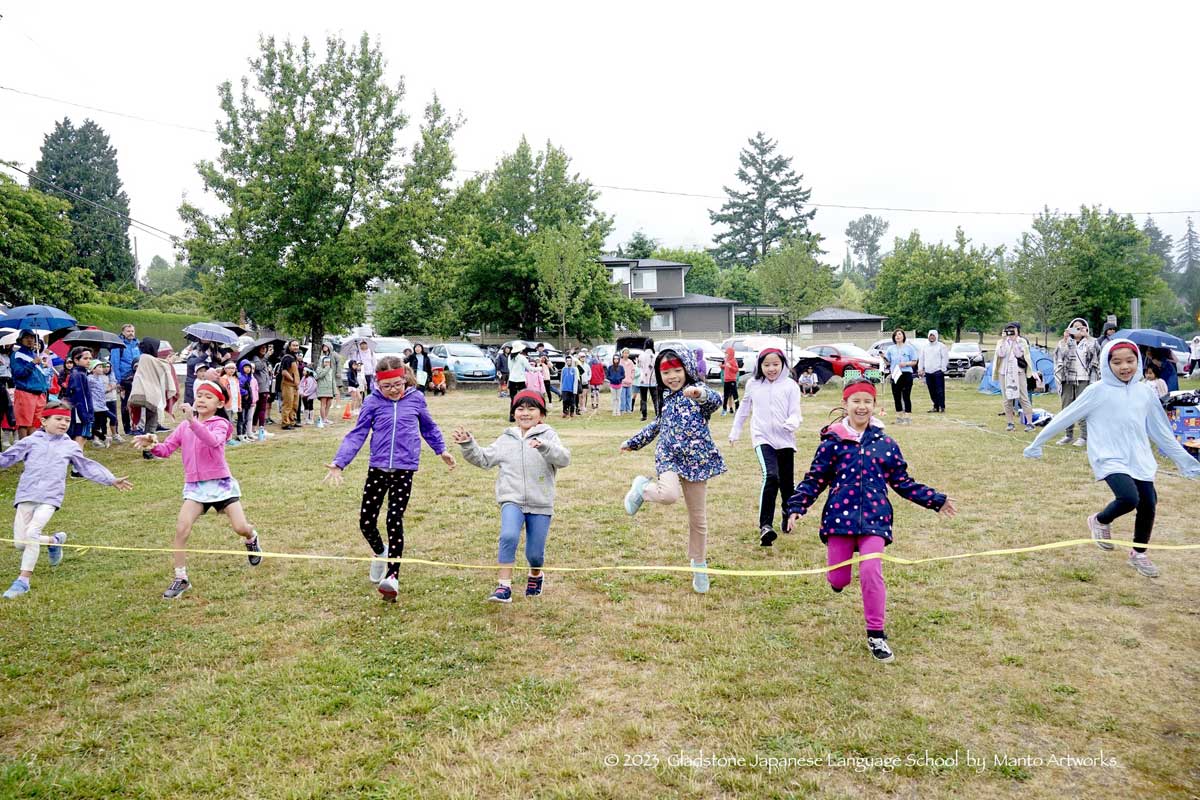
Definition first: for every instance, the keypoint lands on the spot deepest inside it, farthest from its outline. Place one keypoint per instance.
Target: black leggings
(1131, 494)
(397, 486)
(778, 467)
(902, 393)
(652, 391)
(729, 401)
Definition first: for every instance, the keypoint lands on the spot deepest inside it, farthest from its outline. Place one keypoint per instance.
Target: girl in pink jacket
(207, 480)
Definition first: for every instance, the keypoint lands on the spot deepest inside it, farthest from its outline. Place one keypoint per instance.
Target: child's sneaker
(1010, 427)
(878, 646)
(378, 567)
(177, 587)
(1142, 563)
(700, 579)
(533, 587)
(252, 547)
(633, 498)
(1079, 443)
(1064, 440)
(766, 535)
(320, 423)
(19, 587)
(503, 594)
(389, 587)
(1028, 428)
(1101, 533)
(55, 551)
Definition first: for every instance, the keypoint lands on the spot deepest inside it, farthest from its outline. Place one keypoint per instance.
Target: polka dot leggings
(396, 485)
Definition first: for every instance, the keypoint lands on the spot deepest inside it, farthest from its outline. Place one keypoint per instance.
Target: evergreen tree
(764, 214)
(863, 236)
(1162, 248)
(79, 165)
(1187, 267)
(639, 246)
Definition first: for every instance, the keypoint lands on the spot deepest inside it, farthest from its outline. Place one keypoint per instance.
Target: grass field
(293, 680)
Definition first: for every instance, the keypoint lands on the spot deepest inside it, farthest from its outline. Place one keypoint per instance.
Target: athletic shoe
(932, 411)
(389, 587)
(118, 438)
(633, 498)
(252, 547)
(320, 423)
(177, 587)
(879, 648)
(1064, 440)
(1142, 563)
(55, 551)
(503, 594)
(1028, 428)
(1101, 533)
(18, 588)
(533, 587)
(766, 535)
(1010, 427)
(1080, 443)
(378, 568)
(146, 454)
(233, 442)
(700, 579)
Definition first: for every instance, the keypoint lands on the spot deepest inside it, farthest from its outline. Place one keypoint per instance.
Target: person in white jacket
(932, 365)
(1124, 416)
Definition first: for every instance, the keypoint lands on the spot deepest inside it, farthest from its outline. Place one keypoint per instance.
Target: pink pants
(870, 573)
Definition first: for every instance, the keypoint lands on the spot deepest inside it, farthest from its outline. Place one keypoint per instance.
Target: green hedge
(157, 324)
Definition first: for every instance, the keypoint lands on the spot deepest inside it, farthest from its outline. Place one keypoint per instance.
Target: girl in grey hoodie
(529, 456)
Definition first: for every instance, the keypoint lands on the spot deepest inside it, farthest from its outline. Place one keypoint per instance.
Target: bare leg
(188, 514)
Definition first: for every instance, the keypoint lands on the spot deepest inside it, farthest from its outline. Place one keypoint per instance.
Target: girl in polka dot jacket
(858, 462)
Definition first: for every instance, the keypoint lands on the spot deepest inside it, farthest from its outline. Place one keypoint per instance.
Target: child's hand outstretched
(694, 392)
(448, 459)
(793, 521)
(461, 435)
(333, 475)
(145, 442)
(122, 484)
(949, 509)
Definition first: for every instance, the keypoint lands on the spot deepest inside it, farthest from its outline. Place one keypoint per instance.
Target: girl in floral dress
(686, 456)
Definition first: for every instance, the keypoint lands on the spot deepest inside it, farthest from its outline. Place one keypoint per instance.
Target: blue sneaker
(503, 594)
(700, 579)
(633, 498)
(20, 586)
(54, 551)
(533, 587)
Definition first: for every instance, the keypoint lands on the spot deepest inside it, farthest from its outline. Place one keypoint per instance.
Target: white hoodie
(1122, 420)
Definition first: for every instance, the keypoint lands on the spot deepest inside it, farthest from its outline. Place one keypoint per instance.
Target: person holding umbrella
(30, 382)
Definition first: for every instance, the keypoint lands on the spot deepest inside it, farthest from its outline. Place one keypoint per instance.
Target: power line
(109, 111)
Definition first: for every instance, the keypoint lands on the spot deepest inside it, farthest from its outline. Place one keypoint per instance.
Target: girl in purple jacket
(40, 491)
(858, 462)
(396, 417)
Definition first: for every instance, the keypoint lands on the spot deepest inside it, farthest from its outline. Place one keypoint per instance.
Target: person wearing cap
(46, 453)
(1124, 418)
(1073, 371)
(528, 455)
(858, 463)
(501, 362)
(1013, 369)
(30, 383)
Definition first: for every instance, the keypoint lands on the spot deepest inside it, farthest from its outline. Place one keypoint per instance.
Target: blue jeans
(537, 527)
(627, 398)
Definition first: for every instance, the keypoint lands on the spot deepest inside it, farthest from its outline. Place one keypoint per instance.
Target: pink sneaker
(1101, 533)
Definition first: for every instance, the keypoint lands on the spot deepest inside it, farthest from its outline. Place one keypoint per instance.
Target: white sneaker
(1064, 440)
(378, 568)
(1080, 443)
(389, 588)
(1142, 563)
(1101, 533)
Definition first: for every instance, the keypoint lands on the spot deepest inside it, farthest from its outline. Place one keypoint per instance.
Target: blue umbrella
(209, 332)
(45, 317)
(1148, 337)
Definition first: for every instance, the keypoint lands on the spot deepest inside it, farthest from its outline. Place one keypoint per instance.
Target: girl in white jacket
(1123, 416)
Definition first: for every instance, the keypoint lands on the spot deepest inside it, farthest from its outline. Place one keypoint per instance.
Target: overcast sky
(1004, 107)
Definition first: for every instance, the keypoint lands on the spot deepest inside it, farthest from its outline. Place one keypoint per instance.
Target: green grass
(293, 680)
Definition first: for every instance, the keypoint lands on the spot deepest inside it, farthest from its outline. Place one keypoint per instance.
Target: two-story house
(676, 311)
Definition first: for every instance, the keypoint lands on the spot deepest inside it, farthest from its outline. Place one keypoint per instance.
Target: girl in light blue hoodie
(1123, 416)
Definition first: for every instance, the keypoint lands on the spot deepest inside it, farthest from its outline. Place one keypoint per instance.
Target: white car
(391, 346)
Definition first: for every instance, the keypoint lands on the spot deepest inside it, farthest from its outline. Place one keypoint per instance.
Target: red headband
(56, 412)
(532, 396)
(388, 374)
(1123, 346)
(670, 363)
(855, 388)
(769, 351)
(213, 389)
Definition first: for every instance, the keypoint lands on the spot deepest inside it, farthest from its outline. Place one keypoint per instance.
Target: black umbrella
(96, 339)
(233, 326)
(820, 366)
(61, 333)
(251, 348)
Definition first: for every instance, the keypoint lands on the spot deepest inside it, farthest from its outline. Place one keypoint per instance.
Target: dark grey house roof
(690, 299)
(831, 314)
(610, 261)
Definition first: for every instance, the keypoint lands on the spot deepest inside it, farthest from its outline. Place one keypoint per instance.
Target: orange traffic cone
(346, 413)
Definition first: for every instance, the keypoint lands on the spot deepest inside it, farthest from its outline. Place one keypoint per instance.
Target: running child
(774, 399)
(858, 462)
(529, 456)
(46, 453)
(685, 457)
(1123, 416)
(397, 419)
(207, 481)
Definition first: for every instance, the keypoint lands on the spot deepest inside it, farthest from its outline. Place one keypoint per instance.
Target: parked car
(882, 345)
(963, 356)
(604, 352)
(843, 355)
(391, 346)
(714, 357)
(465, 360)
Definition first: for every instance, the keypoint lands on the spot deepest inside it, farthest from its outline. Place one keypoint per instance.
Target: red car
(841, 357)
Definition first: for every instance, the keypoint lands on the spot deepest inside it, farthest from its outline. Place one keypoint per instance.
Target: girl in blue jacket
(1123, 415)
(397, 419)
(686, 456)
(858, 461)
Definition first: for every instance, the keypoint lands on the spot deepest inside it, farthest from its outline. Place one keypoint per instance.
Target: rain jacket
(526, 475)
(685, 445)
(776, 412)
(396, 428)
(27, 372)
(203, 445)
(46, 458)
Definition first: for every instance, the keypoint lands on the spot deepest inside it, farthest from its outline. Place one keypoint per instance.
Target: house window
(645, 280)
(620, 275)
(663, 321)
